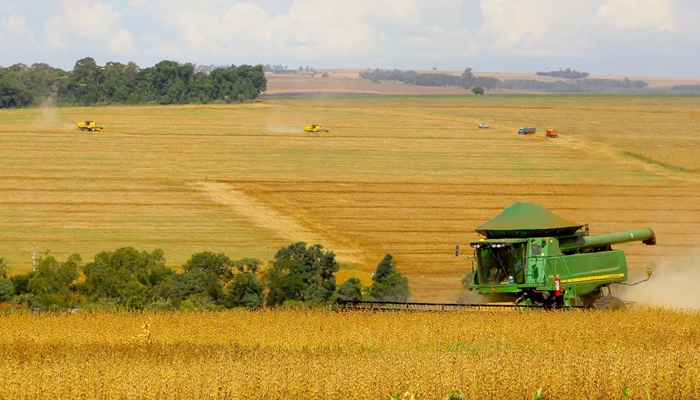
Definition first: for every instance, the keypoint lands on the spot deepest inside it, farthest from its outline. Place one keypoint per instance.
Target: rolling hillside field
(406, 175)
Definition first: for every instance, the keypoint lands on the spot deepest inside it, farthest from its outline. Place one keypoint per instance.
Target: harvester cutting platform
(531, 258)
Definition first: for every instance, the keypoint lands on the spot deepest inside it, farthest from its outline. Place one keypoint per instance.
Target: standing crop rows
(356, 355)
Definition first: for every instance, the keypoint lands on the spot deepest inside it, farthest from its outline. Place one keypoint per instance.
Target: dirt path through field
(280, 223)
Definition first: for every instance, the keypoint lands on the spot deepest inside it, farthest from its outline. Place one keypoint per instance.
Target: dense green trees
(127, 277)
(246, 290)
(301, 273)
(13, 92)
(388, 284)
(564, 73)
(51, 285)
(132, 279)
(7, 289)
(350, 290)
(168, 82)
(205, 273)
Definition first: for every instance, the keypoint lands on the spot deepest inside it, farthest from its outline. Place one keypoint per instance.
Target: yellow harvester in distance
(89, 126)
(315, 128)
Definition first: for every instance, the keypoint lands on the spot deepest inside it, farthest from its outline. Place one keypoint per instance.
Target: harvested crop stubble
(314, 354)
(406, 175)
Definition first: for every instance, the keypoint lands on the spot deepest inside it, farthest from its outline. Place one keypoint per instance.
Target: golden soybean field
(355, 355)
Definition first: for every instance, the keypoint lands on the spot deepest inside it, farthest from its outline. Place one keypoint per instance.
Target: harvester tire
(609, 303)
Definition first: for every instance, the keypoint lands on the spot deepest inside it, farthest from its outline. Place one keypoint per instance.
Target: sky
(636, 38)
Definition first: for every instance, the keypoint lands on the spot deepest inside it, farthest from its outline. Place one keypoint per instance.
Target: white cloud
(312, 30)
(642, 15)
(122, 43)
(14, 30)
(536, 28)
(76, 22)
(205, 29)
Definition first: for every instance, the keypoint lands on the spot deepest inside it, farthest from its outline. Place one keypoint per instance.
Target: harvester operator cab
(500, 262)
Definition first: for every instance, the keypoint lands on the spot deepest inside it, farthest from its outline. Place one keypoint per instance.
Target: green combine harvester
(531, 258)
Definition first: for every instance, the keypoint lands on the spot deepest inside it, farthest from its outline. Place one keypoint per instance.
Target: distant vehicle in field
(527, 131)
(552, 133)
(484, 126)
(89, 126)
(315, 128)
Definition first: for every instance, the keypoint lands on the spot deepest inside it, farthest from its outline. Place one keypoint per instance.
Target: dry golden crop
(350, 355)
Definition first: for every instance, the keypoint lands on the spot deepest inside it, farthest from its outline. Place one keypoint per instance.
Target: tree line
(88, 84)
(564, 73)
(467, 80)
(575, 86)
(686, 89)
(126, 278)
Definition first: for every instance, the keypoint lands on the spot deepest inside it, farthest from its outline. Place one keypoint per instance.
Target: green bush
(7, 290)
(159, 306)
(388, 283)
(188, 305)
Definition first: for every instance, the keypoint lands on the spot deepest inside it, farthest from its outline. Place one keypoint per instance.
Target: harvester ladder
(567, 269)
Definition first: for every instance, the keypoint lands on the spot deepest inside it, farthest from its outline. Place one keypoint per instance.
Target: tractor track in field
(282, 223)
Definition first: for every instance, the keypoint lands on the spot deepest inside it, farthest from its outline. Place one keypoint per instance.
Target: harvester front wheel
(608, 303)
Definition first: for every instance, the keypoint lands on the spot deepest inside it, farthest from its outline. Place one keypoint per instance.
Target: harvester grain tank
(527, 131)
(526, 249)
